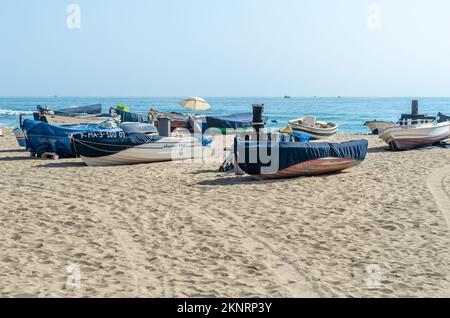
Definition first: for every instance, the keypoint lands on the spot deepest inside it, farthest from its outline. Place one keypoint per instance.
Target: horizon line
(180, 96)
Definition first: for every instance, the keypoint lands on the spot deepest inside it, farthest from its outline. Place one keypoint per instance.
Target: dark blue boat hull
(270, 159)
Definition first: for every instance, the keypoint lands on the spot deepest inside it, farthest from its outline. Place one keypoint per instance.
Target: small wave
(9, 112)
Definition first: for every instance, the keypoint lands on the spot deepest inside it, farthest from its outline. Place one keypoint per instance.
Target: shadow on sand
(227, 181)
(379, 149)
(199, 171)
(15, 158)
(62, 164)
(12, 150)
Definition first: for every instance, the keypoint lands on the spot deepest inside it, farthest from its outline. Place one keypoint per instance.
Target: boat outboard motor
(164, 126)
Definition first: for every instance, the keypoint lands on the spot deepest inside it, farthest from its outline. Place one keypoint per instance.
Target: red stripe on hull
(411, 143)
(312, 168)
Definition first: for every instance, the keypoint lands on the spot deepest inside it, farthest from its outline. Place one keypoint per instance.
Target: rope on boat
(109, 151)
(103, 150)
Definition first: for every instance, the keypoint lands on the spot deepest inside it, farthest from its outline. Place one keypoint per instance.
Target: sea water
(350, 113)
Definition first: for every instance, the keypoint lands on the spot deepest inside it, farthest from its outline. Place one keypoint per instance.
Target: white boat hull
(314, 132)
(166, 149)
(410, 137)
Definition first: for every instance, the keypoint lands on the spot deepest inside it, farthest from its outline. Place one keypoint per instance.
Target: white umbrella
(195, 103)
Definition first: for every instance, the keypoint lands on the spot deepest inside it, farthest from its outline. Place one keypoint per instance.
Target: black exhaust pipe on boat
(258, 120)
(415, 107)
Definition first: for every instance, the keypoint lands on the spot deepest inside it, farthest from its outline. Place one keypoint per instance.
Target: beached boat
(414, 118)
(80, 110)
(223, 123)
(293, 159)
(415, 136)
(60, 120)
(308, 125)
(377, 126)
(43, 138)
(83, 115)
(177, 120)
(104, 149)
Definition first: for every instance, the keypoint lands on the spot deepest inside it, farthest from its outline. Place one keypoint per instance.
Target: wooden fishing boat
(294, 159)
(309, 126)
(104, 149)
(177, 120)
(76, 116)
(61, 120)
(415, 136)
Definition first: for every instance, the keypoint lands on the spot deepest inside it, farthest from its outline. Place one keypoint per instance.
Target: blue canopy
(42, 137)
(442, 118)
(293, 153)
(244, 120)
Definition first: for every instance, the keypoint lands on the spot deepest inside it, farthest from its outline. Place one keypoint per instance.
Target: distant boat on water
(287, 97)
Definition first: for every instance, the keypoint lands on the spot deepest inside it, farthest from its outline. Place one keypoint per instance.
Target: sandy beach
(179, 230)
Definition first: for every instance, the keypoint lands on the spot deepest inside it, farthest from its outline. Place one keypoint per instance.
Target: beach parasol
(195, 103)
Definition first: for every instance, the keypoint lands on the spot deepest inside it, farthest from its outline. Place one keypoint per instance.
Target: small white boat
(308, 125)
(377, 126)
(111, 150)
(415, 136)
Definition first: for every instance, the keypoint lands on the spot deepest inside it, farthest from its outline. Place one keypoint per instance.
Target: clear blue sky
(225, 48)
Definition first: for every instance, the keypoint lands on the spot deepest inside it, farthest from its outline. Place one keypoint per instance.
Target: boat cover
(42, 137)
(235, 121)
(100, 144)
(90, 109)
(143, 128)
(131, 117)
(293, 153)
(442, 118)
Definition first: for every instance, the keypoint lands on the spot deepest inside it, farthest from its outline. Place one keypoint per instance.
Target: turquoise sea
(351, 113)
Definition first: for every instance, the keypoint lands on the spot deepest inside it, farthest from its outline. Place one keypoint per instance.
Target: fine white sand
(177, 230)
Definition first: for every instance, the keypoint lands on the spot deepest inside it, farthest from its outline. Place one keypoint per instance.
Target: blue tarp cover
(42, 137)
(235, 121)
(292, 153)
(132, 117)
(442, 118)
(94, 145)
